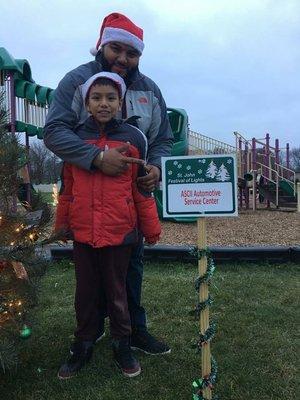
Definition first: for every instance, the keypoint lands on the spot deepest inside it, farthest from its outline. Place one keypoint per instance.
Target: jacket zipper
(93, 193)
(101, 176)
(124, 108)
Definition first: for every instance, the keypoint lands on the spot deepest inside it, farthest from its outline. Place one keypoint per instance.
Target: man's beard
(100, 58)
(107, 67)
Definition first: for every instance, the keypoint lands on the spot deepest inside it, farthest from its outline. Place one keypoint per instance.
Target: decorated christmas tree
(24, 229)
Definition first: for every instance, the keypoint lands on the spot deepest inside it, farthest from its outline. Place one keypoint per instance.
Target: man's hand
(149, 181)
(113, 162)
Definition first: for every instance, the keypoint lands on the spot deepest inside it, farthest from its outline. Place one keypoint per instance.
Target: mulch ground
(262, 227)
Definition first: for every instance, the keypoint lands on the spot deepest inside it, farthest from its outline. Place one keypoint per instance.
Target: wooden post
(298, 196)
(254, 171)
(204, 314)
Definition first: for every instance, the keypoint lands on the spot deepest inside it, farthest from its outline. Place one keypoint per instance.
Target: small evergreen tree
(23, 232)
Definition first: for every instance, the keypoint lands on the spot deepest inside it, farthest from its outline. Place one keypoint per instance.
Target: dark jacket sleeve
(144, 201)
(160, 133)
(62, 119)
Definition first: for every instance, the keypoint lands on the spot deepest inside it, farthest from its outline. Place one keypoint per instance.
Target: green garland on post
(207, 276)
(209, 381)
(202, 305)
(199, 253)
(207, 336)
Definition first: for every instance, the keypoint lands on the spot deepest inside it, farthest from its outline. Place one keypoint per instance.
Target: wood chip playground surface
(251, 228)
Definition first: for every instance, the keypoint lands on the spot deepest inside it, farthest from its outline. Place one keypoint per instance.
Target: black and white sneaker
(124, 359)
(143, 341)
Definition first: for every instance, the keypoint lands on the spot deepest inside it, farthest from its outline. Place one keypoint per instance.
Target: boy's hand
(149, 181)
(113, 162)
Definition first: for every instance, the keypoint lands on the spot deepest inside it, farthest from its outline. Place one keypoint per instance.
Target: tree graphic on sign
(211, 171)
(222, 174)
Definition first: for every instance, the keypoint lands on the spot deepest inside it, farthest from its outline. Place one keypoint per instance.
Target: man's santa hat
(117, 27)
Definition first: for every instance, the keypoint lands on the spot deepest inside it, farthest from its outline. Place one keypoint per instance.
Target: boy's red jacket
(102, 210)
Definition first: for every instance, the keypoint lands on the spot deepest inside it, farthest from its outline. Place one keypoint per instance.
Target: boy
(103, 215)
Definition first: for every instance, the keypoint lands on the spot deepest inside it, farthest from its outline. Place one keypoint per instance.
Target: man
(118, 50)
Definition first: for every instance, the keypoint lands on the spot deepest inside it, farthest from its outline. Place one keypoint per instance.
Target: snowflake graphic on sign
(212, 170)
(222, 174)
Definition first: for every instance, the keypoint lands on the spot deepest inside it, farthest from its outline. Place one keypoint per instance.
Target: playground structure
(261, 173)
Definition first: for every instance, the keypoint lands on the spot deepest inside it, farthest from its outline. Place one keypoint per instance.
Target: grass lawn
(255, 346)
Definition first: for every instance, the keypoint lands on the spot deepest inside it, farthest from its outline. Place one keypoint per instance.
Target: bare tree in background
(52, 168)
(45, 167)
(295, 158)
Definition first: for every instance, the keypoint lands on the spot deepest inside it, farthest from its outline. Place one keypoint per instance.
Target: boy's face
(103, 102)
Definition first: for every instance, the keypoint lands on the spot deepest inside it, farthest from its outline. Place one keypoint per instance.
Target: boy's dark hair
(104, 82)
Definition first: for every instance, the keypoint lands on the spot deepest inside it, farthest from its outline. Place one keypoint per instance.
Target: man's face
(120, 57)
(103, 102)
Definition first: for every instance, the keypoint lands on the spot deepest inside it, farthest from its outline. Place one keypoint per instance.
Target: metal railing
(30, 112)
(26, 111)
(288, 175)
(201, 144)
(271, 176)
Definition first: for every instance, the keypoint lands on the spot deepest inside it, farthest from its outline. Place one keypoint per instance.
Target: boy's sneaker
(75, 342)
(124, 359)
(83, 351)
(142, 340)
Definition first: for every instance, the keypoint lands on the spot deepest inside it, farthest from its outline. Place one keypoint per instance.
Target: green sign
(199, 186)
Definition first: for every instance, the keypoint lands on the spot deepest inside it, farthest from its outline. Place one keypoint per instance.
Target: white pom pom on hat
(117, 27)
(93, 51)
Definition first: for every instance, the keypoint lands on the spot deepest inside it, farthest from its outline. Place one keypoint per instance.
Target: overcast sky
(233, 65)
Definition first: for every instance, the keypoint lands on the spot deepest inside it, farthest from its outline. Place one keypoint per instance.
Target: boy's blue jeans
(134, 290)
